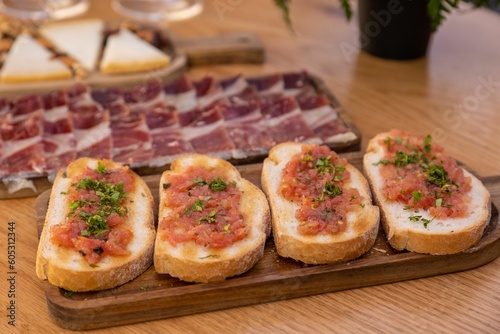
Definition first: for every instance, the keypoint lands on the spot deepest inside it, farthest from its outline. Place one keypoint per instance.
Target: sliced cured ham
(284, 121)
(206, 132)
(268, 84)
(79, 94)
(208, 91)
(59, 141)
(321, 115)
(167, 138)
(244, 125)
(4, 107)
(92, 131)
(153, 123)
(21, 133)
(107, 97)
(181, 94)
(145, 95)
(234, 85)
(131, 139)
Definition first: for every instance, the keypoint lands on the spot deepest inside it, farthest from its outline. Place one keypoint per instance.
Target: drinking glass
(43, 10)
(158, 10)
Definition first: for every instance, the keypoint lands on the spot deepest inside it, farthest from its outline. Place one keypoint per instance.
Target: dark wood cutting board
(154, 296)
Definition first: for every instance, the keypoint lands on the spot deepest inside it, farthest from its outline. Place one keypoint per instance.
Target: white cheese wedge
(125, 52)
(80, 39)
(29, 61)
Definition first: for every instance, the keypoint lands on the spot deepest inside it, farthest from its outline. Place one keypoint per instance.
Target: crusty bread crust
(321, 249)
(66, 268)
(193, 263)
(446, 236)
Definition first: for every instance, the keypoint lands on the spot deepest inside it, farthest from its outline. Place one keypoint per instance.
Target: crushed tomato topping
(420, 175)
(204, 208)
(96, 212)
(316, 179)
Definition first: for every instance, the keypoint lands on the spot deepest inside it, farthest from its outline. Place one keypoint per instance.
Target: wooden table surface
(453, 93)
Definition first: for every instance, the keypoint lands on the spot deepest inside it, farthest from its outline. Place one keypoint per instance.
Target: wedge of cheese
(125, 52)
(29, 61)
(80, 39)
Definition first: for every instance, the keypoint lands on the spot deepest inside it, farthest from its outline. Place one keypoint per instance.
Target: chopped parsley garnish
(307, 157)
(198, 205)
(210, 218)
(324, 164)
(110, 196)
(427, 144)
(217, 184)
(403, 159)
(199, 181)
(208, 256)
(331, 190)
(417, 196)
(101, 169)
(387, 141)
(420, 218)
(437, 175)
(96, 224)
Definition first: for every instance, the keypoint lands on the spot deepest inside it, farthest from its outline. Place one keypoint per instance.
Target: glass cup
(43, 10)
(158, 10)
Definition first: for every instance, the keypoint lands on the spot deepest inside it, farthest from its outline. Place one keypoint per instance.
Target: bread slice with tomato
(321, 205)
(429, 203)
(99, 229)
(212, 223)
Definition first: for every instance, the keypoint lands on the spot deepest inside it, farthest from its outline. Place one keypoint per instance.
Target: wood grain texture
(154, 296)
(421, 96)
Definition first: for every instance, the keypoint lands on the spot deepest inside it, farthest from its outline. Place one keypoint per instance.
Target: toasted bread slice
(28, 61)
(125, 52)
(65, 267)
(424, 232)
(80, 39)
(362, 223)
(194, 262)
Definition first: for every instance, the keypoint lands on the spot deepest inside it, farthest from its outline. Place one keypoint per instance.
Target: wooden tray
(153, 296)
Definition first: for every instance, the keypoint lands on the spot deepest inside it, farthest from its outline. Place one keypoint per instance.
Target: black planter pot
(394, 29)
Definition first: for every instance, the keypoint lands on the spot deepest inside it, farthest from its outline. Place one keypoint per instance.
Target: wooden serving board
(154, 296)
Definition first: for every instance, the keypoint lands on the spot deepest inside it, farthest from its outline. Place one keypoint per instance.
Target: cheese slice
(29, 61)
(80, 39)
(125, 52)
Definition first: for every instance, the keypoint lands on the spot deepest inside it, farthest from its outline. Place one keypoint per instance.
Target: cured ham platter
(154, 296)
(146, 126)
